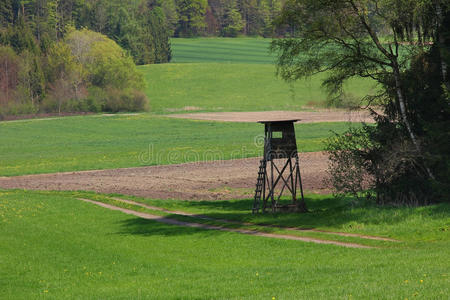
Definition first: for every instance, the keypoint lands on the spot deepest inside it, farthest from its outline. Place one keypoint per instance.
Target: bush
(125, 101)
(16, 109)
(348, 162)
(380, 159)
(103, 61)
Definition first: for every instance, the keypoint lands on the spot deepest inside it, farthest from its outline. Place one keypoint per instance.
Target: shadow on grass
(145, 227)
(325, 212)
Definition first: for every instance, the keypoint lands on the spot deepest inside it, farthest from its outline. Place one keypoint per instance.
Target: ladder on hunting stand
(260, 186)
(280, 146)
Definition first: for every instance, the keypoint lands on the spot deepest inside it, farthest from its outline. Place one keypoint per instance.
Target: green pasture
(229, 50)
(235, 87)
(57, 247)
(225, 50)
(105, 142)
(224, 74)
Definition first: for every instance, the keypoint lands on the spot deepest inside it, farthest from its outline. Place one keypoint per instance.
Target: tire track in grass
(203, 217)
(175, 222)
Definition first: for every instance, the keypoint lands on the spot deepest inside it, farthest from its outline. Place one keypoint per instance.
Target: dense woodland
(64, 55)
(228, 18)
(58, 56)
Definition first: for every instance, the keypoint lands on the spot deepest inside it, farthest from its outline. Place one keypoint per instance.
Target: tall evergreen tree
(191, 20)
(6, 12)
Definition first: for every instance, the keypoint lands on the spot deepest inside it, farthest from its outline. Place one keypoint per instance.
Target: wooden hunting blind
(279, 170)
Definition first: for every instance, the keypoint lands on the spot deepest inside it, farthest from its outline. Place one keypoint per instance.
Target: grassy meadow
(225, 74)
(233, 87)
(224, 50)
(57, 247)
(105, 142)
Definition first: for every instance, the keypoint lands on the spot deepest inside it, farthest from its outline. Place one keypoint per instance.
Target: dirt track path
(213, 227)
(217, 180)
(203, 217)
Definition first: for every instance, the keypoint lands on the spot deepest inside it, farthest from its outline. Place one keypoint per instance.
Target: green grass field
(102, 142)
(233, 87)
(225, 50)
(54, 246)
(57, 247)
(220, 74)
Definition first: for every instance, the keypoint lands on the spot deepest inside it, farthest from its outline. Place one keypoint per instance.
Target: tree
(61, 66)
(20, 37)
(105, 63)
(6, 12)
(31, 79)
(191, 17)
(233, 23)
(341, 38)
(9, 69)
(169, 9)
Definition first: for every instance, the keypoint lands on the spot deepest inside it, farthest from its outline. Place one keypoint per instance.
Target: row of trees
(229, 18)
(405, 157)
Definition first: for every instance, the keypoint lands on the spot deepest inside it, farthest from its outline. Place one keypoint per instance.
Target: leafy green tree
(31, 79)
(249, 11)
(191, 17)
(54, 64)
(61, 65)
(270, 10)
(169, 9)
(9, 69)
(106, 64)
(341, 39)
(233, 23)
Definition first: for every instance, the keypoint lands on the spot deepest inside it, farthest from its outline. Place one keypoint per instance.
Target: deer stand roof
(279, 172)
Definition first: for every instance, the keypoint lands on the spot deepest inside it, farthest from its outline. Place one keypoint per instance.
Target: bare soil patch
(217, 180)
(304, 116)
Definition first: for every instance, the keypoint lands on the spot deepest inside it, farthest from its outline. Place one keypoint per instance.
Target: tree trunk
(7, 80)
(441, 43)
(398, 86)
(402, 105)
